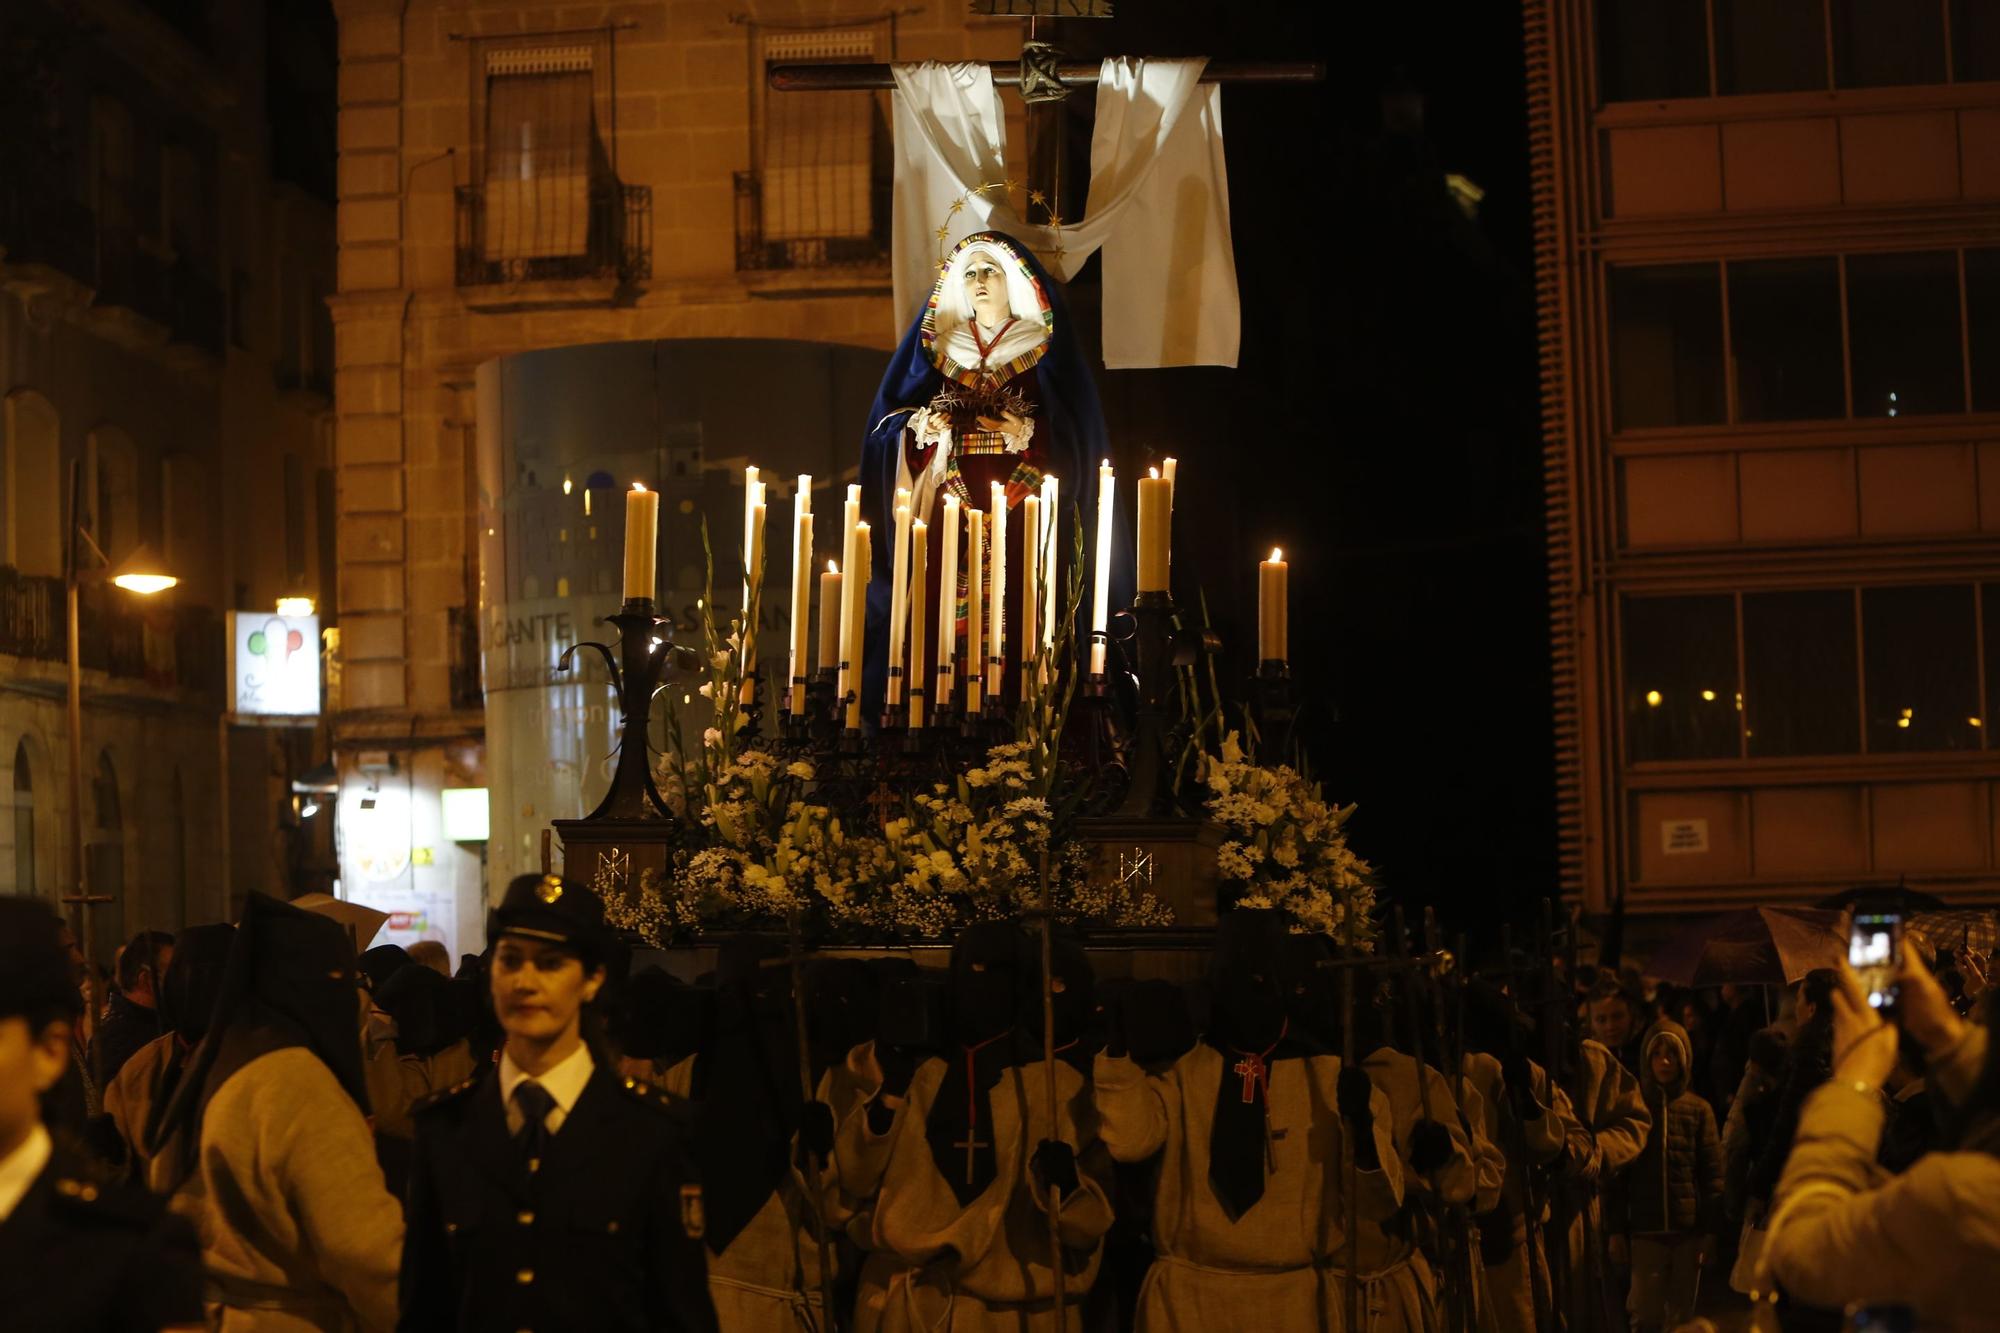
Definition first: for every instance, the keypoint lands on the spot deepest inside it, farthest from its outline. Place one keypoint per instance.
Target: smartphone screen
(1875, 952)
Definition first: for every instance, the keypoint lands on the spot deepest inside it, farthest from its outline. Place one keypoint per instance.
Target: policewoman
(548, 1193)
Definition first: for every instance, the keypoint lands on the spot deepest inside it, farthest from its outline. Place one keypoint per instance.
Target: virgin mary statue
(988, 385)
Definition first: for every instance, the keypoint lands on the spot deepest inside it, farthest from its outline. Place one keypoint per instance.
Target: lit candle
(1156, 509)
(1100, 607)
(642, 540)
(975, 638)
(1274, 628)
(802, 545)
(801, 585)
(1050, 522)
(850, 519)
(857, 627)
(752, 497)
(899, 593)
(1031, 583)
(753, 584)
(947, 643)
(1168, 467)
(919, 558)
(829, 616)
(996, 593)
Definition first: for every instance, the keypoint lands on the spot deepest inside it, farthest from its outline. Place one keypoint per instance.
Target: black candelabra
(636, 666)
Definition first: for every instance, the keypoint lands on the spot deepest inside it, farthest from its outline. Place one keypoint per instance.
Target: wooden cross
(971, 1145)
(1043, 78)
(1251, 1070)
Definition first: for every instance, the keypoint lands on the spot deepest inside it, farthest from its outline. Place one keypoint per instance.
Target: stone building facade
(163, 330)
(515, 178)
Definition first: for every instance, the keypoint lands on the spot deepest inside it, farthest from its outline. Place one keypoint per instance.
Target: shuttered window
(818, 147)
(540, 133)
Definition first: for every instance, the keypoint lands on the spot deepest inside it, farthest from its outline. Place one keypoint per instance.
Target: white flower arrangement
(1286, 846)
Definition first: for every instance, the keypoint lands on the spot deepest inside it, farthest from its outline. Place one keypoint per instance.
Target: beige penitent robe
(1519, 1284)
(1279, 1267)
(1388, 1242)
(984, 1267)
(767, 1280)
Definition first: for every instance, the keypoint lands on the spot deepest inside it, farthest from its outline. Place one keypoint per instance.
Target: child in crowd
(1674, 1188)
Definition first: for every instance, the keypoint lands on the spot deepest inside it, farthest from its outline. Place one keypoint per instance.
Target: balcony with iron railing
(795, 243)
(39, 229)
(163, 648)
(511, 233)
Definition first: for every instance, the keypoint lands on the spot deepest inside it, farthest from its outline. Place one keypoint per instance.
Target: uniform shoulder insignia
(646, 1094)
(444, 1096)
(82, 1195)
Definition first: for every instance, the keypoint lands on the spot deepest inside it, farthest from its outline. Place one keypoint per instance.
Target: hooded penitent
(662, 1019)
(989, 989)
(381, 963)
(1249, 1025)
(429, 1009)
(843, 1007)
(188, 994)
(925, 429)
(749, 1080)
(1074, 986)
(289, 980)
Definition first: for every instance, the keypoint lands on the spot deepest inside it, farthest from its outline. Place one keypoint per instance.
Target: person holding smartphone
(1837, 1238)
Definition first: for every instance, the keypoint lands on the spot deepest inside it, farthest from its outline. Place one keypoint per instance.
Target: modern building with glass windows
(1768, 242)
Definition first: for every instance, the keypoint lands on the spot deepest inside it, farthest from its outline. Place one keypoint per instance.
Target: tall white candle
(1100, 606)
(919, 661)
(642, 541)
(1156, 526)
(850, 519)
(829, 616)
(1031, 584)
(899, 595)
(802, 545)
(752, 497)
(1051, 524)
(1168, 468)
(947, 640)
(996, 582)
(857, 583)
(754, 555)
(1274, 612)
(975, 587)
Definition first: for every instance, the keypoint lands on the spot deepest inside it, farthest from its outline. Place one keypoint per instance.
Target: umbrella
(1906, 899)
(1971, 927)
(358, 921)
(1768, 946)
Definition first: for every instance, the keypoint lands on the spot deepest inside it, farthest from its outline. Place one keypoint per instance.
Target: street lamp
(141, 572)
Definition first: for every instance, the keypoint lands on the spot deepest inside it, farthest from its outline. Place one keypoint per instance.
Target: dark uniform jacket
(82, 1253)
(605, 1236)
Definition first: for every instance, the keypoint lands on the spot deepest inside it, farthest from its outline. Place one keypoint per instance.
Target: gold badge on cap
(550, 889)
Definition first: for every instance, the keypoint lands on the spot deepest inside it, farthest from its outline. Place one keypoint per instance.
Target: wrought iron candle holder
(636, 666)
(1274, 703)
(1157, 648)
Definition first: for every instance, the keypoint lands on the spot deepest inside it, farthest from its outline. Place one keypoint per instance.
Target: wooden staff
(1454, 1295)
(1048, 915)
(1351, 1305)
(814, 1201)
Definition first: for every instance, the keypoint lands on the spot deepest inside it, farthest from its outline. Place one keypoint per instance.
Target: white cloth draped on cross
(1158, 205)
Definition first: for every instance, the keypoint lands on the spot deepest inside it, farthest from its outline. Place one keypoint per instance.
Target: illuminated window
(1922, 660)
(1800, 689)
(1676, 651)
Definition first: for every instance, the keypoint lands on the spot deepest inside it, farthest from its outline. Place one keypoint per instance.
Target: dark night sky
(1382, 425)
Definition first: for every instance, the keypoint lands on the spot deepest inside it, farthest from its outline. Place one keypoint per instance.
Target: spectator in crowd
(1837, 1238)
(1808, 1063)
(137, 1098)
(1911, 1128)
(266, 1144)
(1753, 1113)
(431, 954)
(132, 1018)
(1614, 1016)
(77, 1251)
(1674, 1190)
(1742, 1015)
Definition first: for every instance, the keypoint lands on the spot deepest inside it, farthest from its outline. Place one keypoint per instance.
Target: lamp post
(141, 573)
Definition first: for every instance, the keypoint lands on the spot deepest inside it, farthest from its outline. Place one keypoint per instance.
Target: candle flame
(833, 566)
(638, 485)
(1153, 472)
(1276, 555)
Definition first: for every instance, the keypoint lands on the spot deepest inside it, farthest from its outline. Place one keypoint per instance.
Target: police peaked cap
(549, 907)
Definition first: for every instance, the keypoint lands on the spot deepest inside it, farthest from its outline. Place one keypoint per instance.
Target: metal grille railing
(171, 647)
(755, 252)
(617, 243)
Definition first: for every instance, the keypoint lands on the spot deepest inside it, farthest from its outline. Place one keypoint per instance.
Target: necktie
(534, 1103)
